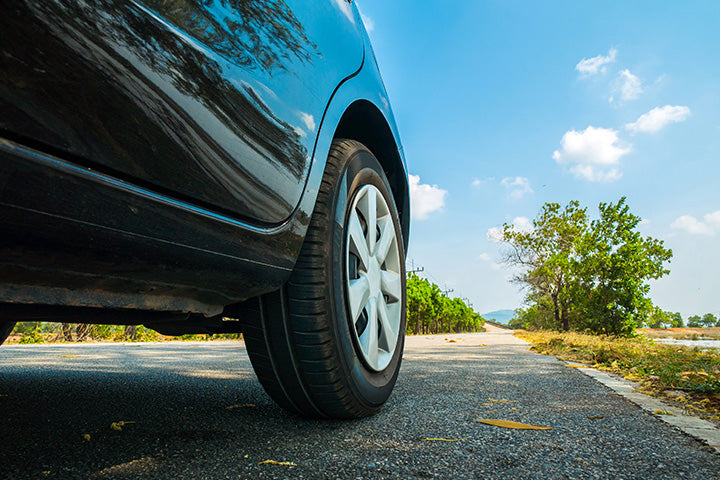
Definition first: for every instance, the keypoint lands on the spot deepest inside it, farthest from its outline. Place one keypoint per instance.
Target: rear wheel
(329, 343)
(6, 329)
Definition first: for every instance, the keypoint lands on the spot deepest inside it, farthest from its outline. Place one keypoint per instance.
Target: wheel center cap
(374, 276)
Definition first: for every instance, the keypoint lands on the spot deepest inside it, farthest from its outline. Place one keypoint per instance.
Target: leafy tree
(709, 320)
(535, 317)
(676, 320)
(615, 262)
(593, 275)
(546, 253)
(429, 311)
(659, 318)
(694, 321)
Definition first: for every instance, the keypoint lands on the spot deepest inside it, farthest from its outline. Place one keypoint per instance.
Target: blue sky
(503, 106)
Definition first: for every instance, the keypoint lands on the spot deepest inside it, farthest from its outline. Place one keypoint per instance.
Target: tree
(546, 252)
(614, 264)
(676, 320)
(709, 320)
(430, 311)
(694, 321)
(593, 275)
(659, 318)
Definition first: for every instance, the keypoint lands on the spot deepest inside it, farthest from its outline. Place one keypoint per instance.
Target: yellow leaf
(245, 405)
(118, 425)
(273, 462)
(662, 412)
(69, 356)
(441, 439)
(576, 366)
(86, 437)
(510, 424)
(452, 341)
(246, 456)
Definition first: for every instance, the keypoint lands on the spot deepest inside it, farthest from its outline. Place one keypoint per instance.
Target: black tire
(299, 338)
(6, 329)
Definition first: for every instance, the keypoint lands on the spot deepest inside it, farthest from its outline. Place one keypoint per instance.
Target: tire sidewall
(370, 387)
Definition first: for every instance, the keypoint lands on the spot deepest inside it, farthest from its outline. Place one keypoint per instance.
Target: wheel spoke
(387, 239)
(372, 331)
(391, 285)
(357, 242)
(358, 295)
(389, 333)
(371, 217)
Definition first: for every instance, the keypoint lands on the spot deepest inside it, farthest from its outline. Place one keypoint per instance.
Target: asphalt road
(57, 404)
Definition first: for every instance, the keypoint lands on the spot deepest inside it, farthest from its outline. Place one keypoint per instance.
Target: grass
(685, 375)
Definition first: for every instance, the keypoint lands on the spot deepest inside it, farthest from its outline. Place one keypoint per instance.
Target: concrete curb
(701, 429)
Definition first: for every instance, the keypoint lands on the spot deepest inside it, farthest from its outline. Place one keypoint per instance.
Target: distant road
(495, 328)
(199, 412)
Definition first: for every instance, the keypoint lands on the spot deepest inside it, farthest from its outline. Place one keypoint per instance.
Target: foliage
(658, 367)
(33, 335)
(41, 332)
(709, 320)
(694, 321)
(588, 276)
(430, 311)
(546, 254)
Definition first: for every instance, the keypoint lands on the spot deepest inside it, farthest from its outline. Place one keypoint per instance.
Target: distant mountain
(499, 316)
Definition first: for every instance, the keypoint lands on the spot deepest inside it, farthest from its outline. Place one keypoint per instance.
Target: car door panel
(212, 102)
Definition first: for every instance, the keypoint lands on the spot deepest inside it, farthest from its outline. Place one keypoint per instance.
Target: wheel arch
(364, 122)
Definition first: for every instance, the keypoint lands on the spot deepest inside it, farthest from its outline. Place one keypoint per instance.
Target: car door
(213, 102)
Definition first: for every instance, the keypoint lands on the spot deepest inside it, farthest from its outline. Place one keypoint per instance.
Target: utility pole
(447, 290)
(413, 269)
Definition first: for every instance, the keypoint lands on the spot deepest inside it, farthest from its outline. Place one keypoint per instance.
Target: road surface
(199, 412)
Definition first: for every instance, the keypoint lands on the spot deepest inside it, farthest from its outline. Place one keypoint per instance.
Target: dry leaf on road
(511, 424)
(273, 462)
(441, 439)
(118, 425)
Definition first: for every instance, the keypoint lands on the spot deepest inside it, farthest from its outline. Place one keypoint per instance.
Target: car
(209, 167)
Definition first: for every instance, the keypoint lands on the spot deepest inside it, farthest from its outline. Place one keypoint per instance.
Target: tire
(319, 347)
(6, 329)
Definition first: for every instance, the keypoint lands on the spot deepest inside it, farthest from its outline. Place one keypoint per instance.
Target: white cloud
(521, 224)
(478, 182)
(494, 234)
(693, 226)
(629, 86)
(518, 186)
(484, 257)
(595, 65)
(713, 219)
(425, 199)
(659, 117)
(593, 154)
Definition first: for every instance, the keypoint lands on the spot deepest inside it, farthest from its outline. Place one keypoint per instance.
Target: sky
(503, 106)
